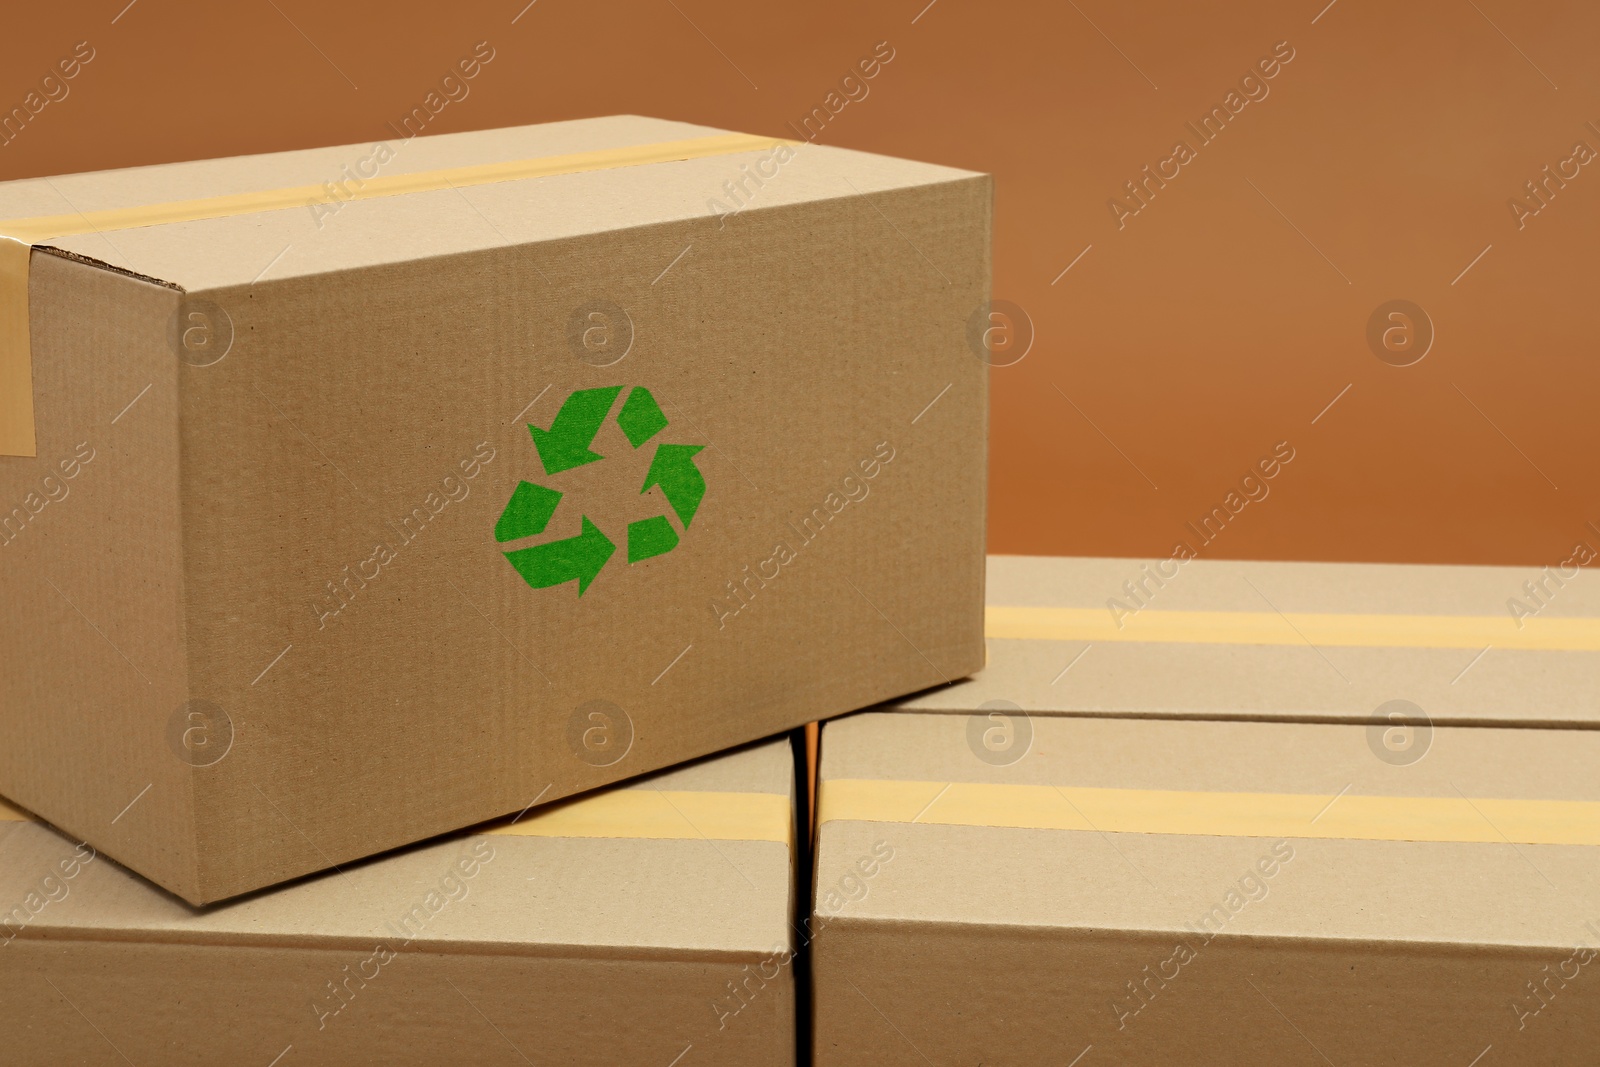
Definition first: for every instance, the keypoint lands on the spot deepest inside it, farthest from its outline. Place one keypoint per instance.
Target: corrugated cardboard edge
(663, 815)
(69, 291)
(911, 703)
(340, 942)
(16, 369)
(914, 929)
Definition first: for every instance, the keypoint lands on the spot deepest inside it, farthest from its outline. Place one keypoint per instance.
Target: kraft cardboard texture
(495, 946)
(943, 943)
(1319, 642)
(276, 596)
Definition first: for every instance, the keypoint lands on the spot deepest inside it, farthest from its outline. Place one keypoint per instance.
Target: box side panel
(891, 994)
(90, 575)
(113, 1003)
(594, 896)
(398, 675)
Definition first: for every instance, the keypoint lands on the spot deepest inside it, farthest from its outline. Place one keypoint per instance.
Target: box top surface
(1151, 826)
(451, 219)
(1224, 585)
(1293, 641)
(705, 868)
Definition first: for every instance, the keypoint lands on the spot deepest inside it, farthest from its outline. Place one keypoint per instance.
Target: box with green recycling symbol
(355, 495)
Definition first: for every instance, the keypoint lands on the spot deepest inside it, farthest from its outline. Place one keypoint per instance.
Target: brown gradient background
(1189, 342)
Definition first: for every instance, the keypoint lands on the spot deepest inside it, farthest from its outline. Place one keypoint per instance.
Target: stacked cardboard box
(1205, 893)
(623, 927)
(356, 495)
(1258, 813)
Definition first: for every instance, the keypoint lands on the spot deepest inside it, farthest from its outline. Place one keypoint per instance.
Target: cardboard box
(1205, 893)
(1417, 646)
(623, 927)
(436, 478)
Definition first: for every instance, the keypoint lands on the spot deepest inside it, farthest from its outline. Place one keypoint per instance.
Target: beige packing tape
(1011, 622)
(1169, 811)
(19, 236)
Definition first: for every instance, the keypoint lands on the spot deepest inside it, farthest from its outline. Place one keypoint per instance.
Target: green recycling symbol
(567, 444)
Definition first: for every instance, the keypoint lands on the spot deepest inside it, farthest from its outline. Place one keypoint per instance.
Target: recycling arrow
(527, 512)
(641, 417)
(566, 443)
(556, 562)
(681, 482)
(569, 443)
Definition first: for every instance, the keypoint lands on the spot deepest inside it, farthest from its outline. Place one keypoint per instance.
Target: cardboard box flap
(1262, 829)
(291, 214)
(546, 882)
(1327, 642)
